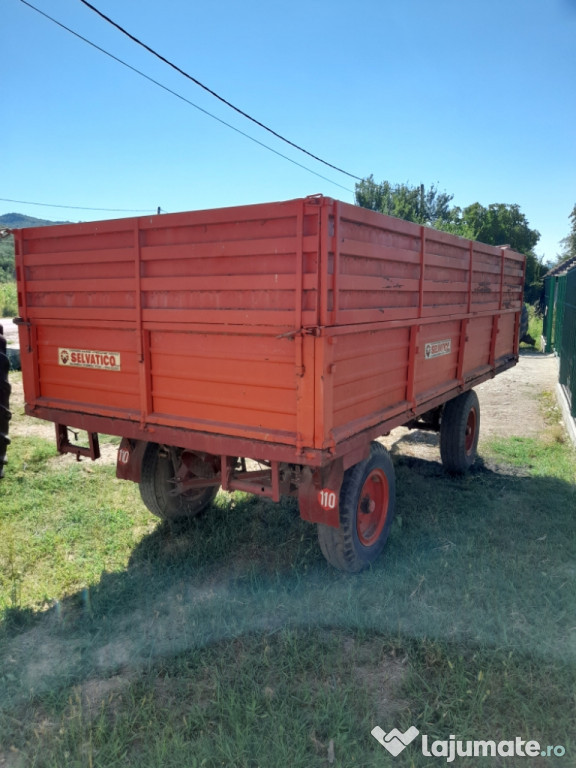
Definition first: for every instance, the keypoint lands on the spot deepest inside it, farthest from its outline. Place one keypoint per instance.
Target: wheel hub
(470, 432)
(372, 508)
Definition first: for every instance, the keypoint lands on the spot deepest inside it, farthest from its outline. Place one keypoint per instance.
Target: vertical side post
(324, 256)
(411, 372)
(493, 339)
(299, 288)
(336, 266)
(422, 268)
(142, 337)
(27, 332)
(502, 260)
(20, 274)
(461, 349)
(470, 268)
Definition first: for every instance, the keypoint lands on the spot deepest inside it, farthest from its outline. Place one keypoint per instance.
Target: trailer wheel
(367, 502)
(158, 470)
(459, 431)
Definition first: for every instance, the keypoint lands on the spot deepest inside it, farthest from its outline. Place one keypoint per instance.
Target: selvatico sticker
(437, 348)
(89, 358)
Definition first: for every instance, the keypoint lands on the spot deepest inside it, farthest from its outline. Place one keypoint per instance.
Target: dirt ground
(510, 404)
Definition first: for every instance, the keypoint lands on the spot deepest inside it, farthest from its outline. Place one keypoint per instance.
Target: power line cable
(79, 207)
(212, 92)
(183, 98)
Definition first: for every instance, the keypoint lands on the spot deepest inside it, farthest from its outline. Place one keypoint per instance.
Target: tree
(569, 242)
(7, 270)
(501, 224)
(417, 204)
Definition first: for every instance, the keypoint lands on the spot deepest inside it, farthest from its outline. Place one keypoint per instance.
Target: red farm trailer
(292, 334)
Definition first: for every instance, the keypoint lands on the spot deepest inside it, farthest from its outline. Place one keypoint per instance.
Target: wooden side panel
(256, 265)
(505, 338)
(377, 259)
(368, 378)
(436, 361)
(477, 347)
(260, 269)
(384, 269)
(225, 383)
(88, 367)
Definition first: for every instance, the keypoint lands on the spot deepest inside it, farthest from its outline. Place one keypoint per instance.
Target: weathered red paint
(129, 459)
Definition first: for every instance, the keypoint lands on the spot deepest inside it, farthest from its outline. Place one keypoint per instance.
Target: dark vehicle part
(163, 482)
(5, 390)
(524, 335)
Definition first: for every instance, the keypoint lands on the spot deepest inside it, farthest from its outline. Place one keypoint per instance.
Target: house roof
(561, 269)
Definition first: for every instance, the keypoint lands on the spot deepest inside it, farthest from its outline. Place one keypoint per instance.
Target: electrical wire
(211, 92)
(78, 207)
(183, 98)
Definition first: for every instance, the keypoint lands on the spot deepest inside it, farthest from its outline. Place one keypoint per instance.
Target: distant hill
(18, 221)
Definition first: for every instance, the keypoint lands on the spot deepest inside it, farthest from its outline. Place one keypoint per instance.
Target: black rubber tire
(5, 390)
(348, 548)
(459, 432)
(155, 485)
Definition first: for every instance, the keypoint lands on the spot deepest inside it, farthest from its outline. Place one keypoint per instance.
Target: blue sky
(475, 96)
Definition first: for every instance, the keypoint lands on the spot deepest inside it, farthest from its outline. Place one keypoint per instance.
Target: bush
(8, 300)
(7, 269)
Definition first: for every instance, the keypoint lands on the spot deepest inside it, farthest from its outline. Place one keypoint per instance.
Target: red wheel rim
(471, 427)
(372, 508)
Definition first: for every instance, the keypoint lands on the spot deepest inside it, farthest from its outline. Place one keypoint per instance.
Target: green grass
(8, 299)
(59, 529)
(232, 643)
(542, 458)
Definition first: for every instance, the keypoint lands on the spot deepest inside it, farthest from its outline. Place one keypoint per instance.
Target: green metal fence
(549, 302)
(567, 350)
(560, 329)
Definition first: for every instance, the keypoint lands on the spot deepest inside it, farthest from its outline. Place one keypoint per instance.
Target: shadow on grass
(485, 561)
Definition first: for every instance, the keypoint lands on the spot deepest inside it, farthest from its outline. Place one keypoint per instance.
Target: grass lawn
(233, 643)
